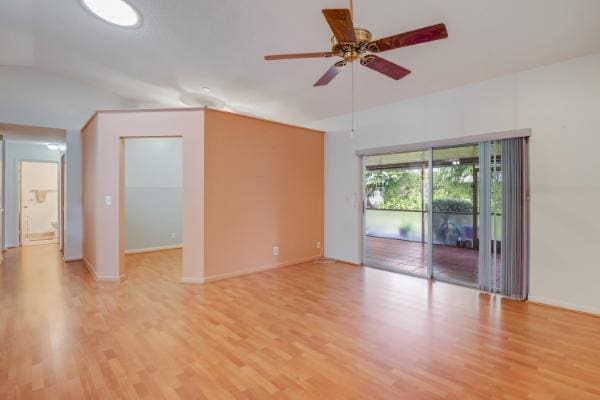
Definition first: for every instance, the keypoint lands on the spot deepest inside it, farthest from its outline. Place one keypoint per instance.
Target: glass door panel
(455, 217)
(496, 215)
(395, 211)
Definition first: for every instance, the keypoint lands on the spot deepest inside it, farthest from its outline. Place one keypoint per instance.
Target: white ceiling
(184, 45)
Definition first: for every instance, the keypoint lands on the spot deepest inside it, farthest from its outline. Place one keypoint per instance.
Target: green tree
(453, 182)
(400, 188)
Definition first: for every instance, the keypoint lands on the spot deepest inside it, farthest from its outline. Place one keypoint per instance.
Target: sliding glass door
(456, 214)
(455, 253)
(396, 212)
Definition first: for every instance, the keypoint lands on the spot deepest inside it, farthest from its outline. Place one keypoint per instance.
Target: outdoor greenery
(400, 189)
(453, 188)
(452, 205)
(403, 189)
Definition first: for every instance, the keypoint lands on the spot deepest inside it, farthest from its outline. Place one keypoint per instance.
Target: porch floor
(449, 263)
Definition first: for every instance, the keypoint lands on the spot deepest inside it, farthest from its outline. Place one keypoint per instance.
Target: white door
(39, 203)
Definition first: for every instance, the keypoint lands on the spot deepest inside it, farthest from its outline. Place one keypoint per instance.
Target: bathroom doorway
(38, 214)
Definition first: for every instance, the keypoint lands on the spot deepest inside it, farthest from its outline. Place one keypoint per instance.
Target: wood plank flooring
(323, 331)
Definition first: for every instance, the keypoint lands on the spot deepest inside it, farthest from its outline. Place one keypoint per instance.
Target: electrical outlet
(318, 245)
(173, 235)
(276, 250)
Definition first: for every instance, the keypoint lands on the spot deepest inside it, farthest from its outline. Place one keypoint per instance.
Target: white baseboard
(192, 281)
(248, 271)
(566, 305)
(153, 249)
(346, 262)
(102, 278)
(74, 258)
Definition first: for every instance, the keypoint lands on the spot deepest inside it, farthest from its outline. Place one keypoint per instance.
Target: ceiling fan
(353, 44)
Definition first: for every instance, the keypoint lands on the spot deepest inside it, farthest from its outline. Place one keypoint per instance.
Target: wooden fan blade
(427, 34)
(330, 74)
(340, 22)
(385, 67)
(298, 55)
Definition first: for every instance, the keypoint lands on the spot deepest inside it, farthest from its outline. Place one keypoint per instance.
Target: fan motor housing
(352, 51)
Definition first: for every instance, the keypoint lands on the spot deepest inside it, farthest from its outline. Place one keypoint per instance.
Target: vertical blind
(504, 270)
(515, 221)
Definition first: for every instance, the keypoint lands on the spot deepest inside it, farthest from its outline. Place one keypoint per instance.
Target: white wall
(153, 184)
(30, 96)
(73, 247)
(560, 103)
(15, 152)
(343, 214)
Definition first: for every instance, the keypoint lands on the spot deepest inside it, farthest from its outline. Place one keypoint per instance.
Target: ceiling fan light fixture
(115, 12)
(352, 44)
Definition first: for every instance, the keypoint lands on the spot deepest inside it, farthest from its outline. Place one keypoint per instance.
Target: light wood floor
(310, 331)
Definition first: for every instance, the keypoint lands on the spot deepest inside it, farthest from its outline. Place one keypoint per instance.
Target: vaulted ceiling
(185, 45)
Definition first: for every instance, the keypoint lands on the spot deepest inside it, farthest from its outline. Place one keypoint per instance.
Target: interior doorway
(38, 216)
(152, 188)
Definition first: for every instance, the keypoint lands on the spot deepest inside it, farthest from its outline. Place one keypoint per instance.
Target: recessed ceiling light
(116, 12)
(206, 89)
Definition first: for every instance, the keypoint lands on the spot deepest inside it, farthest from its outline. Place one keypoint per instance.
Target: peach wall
(89, 144)
(263, 188)
(103, 232)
